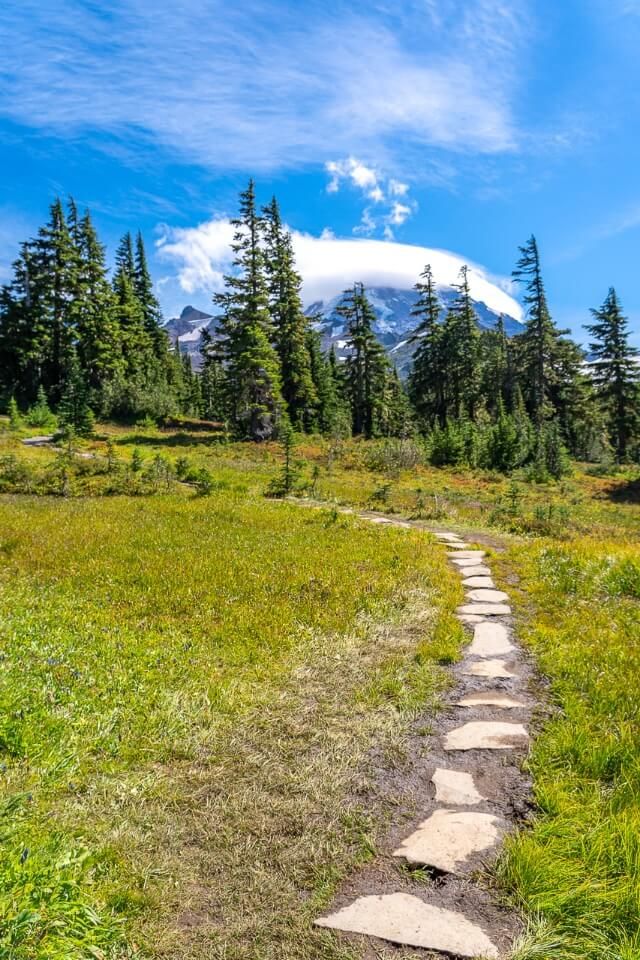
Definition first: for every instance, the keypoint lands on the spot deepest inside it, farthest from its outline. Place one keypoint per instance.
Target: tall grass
(578, 869)
(188, 691)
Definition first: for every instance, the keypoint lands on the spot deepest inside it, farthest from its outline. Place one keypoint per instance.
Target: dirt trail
(427, 889)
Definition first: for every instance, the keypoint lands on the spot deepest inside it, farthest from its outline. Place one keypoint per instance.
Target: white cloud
(329, 264)
(377, 189)
(229, 87)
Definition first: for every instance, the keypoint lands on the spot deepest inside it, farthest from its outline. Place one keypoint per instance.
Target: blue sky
(462, 126)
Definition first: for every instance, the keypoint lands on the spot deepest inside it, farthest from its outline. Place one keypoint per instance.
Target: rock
(470, 617)
(488, 596)
(410, 922)
(447, 839)
(485, 609)
(490, 639)
(486, 735)
(466, 555)
(487, 668)
(460, 546)
(447, 537)
(456, 788)
(491, 698)
(379, 520)
(474, 570)
(485, 582)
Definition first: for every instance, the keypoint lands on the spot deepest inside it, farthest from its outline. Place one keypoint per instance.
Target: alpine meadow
(319, 596)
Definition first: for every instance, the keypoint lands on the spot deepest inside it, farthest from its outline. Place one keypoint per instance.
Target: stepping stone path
(477, 754)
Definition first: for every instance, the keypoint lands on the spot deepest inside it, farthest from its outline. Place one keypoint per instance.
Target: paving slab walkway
(465, 791)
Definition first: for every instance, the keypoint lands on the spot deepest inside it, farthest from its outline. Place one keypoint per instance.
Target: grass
(578, 869)
(190, 688)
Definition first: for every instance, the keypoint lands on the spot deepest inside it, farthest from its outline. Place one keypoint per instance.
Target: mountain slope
(394, 322)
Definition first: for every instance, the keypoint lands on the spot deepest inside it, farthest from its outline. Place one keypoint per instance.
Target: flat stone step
(447, 537)
(464, 562)
(456, 555)
(456, 788)
(470, 617)
(474, 570)
(410, 922)
(448, 838)
(485, 582)
(491, 698)
(485, 609)
(486, 735)
(490, 639)
(460, 545)
(487, 668)
(488, 596)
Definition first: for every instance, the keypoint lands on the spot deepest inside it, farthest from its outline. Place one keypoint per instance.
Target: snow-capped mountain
(394, 323)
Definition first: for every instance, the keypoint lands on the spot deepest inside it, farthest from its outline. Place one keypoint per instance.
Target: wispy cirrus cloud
(263, 87)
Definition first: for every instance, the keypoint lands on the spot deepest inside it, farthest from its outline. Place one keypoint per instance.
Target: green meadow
(194, 675)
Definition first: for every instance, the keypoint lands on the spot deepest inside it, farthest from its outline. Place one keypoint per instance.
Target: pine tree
(252, 366)
(461, 353)
(289, 320)
(22, 333)
(55, 264)
(125, 259)
(366, 367)
(539, 342)
(39, 414)
(496, 367)
(94, 310)
(615, 373)
(152, 314)
(75, 416)
(426, 381)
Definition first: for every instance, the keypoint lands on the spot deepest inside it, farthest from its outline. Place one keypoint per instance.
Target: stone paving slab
(457, 555)
(448, 838)
(490, 639)
(485, 582)
(486, 735)
(486, 609)
(410, 922)
(456, 788)
(474, 570)
(470, 617)
(488, 596)
(460, 546)
(487, 668)
(490, 698)
(447, 537)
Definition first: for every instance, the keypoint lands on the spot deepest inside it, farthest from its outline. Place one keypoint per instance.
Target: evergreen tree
(55, 264)
(22, 332)
(366, 367)
(289, 320)
(75, 416)
(333, 416)
(124, 257)
(252, 366)
(212, 380)
(39, 414)
(461, 353)
(539, 344)
(615, 373)
(151, 312)
(426, 381)
(97, 334)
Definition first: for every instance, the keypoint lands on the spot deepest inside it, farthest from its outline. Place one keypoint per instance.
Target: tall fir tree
(461, 353)
(151, 312)
(289, 320)
(55, 263)
(252, 365)
(366, 369)
(97, 334)
(615, 371)
(538, 345)
(426, 380)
